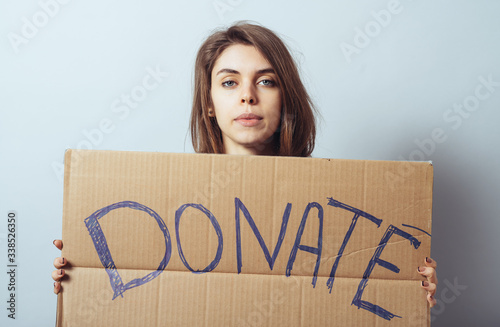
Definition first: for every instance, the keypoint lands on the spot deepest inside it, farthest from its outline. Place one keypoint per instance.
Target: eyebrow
(233, 71)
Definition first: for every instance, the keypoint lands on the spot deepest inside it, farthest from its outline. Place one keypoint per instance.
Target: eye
(228, 83)
(267, 82)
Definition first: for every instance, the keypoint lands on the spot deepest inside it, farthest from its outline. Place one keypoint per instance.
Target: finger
(429, 287)
(430, 263)
(428, 272)
(432, 300)
(57, 274)
(57, 287)
(58, 244)
(60, 262)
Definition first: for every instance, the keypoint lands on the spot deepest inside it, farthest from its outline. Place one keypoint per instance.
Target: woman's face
(246, 100)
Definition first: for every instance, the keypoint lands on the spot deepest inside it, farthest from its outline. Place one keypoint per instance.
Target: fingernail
(63, 261)
(418, 269)
(431, 297)
(428, 260)
(54, 242)
(61, 272)
(54, 284)
(425, 283)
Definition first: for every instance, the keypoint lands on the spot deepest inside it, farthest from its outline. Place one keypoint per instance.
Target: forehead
(243, 58)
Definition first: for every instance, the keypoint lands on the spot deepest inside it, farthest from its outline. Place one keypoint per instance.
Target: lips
(248, 119)
(248, 116)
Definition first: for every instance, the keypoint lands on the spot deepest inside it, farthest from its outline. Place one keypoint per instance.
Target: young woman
(249, 99)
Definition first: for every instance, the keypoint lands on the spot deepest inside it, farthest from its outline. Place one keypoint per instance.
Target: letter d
(383, 17)
(361, 40)
(28, 30)
(51, 7)
(427, 146)
(95, 136)
(102, 249)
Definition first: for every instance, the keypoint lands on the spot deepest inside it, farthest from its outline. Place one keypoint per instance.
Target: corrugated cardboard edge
(67, 163)
(430, 174)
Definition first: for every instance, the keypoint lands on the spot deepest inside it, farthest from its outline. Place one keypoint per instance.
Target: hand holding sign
(59, 262)
(429, 271)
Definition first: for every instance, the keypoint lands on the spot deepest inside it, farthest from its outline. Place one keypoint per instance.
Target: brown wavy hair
(297, 130)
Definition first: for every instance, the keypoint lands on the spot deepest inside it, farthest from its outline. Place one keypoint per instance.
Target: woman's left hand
(430, 285)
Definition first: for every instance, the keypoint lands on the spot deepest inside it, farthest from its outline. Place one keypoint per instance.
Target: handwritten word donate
(99, 240)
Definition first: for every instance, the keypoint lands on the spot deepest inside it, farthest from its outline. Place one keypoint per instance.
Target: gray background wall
(410, 89)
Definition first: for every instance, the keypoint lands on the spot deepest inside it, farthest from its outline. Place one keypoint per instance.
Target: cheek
(222, 109)
(222, 101)
(276, 109)
(217, 102)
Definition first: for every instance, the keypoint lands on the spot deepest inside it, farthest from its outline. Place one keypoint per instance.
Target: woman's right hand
(59, 263)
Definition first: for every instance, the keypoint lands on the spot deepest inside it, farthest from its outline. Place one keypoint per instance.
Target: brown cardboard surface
(147, 217)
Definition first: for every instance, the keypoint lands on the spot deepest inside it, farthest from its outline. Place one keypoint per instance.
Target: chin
(257, 142)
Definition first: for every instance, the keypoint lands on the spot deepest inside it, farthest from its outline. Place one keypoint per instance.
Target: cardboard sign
(158, 239)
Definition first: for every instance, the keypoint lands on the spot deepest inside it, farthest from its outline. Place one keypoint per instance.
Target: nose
(248, 100)
(248, 95)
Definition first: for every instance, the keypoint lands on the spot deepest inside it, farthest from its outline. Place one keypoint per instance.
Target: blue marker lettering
(297, 246)
(357, 213)
(239, 206)
(381, 312)
(101, 246)
(218, 231)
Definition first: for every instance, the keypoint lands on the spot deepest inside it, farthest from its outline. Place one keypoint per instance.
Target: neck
(267, 149)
